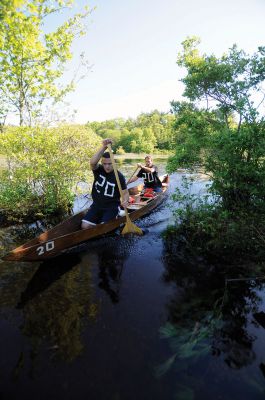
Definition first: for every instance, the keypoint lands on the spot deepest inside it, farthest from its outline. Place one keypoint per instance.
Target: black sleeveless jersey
(105, 191)
(151, 179)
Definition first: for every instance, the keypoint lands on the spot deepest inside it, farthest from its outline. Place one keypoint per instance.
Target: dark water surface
(121, 319)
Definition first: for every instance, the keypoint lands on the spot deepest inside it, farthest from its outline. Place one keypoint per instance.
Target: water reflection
(58, 300)
(110, 271)
(47, 273)
(234, 339)
(210, 320)
(54, 305)
(109, 256)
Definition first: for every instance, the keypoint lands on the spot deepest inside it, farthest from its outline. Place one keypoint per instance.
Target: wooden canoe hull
(68, 234)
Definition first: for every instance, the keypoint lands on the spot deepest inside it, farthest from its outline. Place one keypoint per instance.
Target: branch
(261, 101)
(239, 124)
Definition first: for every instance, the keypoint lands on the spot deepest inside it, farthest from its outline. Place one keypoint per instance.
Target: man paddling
(149, 172)
(105, 191)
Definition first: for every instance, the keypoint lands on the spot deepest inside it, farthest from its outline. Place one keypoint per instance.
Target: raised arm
(147, 169)
(97, 156)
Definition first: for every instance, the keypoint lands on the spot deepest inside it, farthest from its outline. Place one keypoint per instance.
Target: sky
(132, 48)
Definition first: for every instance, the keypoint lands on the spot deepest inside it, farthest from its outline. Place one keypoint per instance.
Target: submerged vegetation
(209, 323)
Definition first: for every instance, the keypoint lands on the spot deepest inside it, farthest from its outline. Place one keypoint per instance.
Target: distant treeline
(149, 132)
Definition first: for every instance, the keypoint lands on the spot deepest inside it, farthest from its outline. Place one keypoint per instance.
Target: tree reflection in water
(60, 295)
(53, 306)
(208, 317)
(233, 339)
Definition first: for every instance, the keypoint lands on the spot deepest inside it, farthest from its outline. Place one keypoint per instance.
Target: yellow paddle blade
(131, 228)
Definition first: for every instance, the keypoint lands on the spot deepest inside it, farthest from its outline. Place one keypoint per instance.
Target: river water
(122, 319)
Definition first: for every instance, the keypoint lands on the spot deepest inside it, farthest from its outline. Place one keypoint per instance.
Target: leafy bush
(212, 231)
(43, 167)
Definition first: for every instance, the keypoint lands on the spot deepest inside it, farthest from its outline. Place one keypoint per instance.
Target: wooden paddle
(129, 226)
(133, 173)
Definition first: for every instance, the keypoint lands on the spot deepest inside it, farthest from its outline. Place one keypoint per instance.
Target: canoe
(68, 234)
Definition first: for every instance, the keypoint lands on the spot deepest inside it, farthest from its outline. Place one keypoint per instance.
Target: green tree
(114, 134)
(125, 140)
(227, 136)
(142, 140)
(161, 126)
(147, 132)
(44, 166)
(230, 82)
(32, 60)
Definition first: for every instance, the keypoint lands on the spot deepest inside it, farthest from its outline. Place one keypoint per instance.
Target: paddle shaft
(117, 177)
(115, 170)
(133, 173)
(129, 226)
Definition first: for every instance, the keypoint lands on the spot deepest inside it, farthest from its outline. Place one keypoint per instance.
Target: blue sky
(133, 45)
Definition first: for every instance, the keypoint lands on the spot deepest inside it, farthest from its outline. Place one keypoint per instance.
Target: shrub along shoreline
(43, 165)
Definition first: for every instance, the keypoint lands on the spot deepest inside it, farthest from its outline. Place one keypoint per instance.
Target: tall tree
(230, 83)
(32, 60)
(227, 136)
